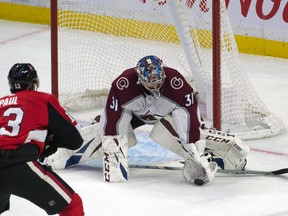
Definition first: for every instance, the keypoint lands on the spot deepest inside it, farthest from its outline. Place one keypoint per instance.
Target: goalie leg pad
(90, 149)
(230, 148)
(115, 158)
(165, 135)
(61, 159)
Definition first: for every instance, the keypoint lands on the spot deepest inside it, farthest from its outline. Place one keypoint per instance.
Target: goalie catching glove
(197, 169)
(226, 146)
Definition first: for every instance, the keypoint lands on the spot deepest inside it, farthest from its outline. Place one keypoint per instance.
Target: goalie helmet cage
(93, 41)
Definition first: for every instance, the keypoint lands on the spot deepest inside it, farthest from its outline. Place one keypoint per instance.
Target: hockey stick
(238, 172)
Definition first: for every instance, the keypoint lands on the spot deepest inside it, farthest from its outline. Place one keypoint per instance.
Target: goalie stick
(238, 172)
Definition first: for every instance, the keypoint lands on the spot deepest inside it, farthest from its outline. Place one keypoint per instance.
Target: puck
(198, 182)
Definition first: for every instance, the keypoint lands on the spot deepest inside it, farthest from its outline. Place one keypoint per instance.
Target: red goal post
(54, 46)
(93, 41)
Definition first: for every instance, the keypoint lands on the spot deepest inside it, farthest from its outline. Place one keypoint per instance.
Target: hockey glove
(49, 150)
(197, 169)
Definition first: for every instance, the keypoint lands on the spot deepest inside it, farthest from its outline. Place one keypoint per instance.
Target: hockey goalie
(152, 93)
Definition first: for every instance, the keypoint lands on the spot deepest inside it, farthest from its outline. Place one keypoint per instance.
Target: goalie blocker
(198, 169)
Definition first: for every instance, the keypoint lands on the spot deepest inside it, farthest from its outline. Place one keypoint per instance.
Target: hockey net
(99, 39)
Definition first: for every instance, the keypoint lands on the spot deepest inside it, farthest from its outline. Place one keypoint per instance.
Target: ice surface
(161, 192)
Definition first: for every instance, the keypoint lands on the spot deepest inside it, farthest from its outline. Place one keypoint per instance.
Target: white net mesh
(98, 39)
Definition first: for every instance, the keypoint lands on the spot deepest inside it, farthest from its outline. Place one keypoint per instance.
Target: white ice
(158, 192)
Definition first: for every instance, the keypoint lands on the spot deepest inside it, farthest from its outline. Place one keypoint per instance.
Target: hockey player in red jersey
(32, 126)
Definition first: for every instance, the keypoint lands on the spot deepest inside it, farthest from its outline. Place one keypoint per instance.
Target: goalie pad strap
(115, 158)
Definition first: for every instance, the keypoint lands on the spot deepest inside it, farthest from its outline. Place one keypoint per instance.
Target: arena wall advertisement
(260, 26)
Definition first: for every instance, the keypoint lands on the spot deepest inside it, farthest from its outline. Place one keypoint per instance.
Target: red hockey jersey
(29, 116)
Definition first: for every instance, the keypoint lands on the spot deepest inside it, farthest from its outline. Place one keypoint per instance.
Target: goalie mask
(22, 76)
(151, 74)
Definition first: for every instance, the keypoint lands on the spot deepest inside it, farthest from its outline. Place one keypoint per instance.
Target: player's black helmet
(22, 76)
(151, 74)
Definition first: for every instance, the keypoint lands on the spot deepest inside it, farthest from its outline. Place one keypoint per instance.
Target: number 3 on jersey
(13, 124)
